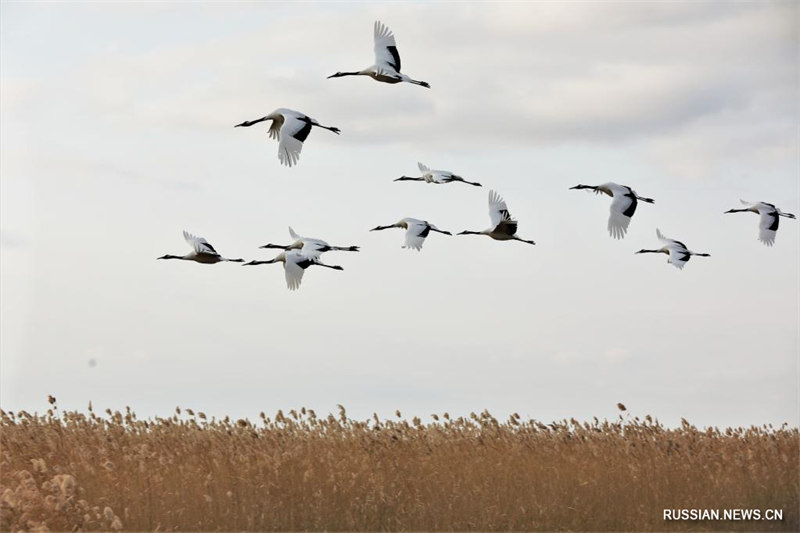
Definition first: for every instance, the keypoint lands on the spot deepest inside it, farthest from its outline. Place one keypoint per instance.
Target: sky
(116, 133)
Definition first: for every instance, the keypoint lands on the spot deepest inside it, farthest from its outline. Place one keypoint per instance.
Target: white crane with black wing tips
(291, 129)
(387, 60)
(416, 231)
(503, 228)
(202, 252)
(770, 217)
(309, 246)
(436, 176)
(622, 207)
(295, 263)
(678, 253)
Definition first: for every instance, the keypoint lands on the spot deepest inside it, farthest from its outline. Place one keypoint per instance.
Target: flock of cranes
(291, 129)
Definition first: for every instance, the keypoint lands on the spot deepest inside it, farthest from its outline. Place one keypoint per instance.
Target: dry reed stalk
(300, 472)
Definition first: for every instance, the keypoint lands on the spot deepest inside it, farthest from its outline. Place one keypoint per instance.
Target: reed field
(294, 471)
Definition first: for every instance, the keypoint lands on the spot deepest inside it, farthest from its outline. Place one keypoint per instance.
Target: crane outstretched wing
(622, 209)
(427, 174)
(498, 210)
(415, 234)
(678, 256)
(293, 133)
(199, 244)
(275, 128)
(386, 54)
(667, 240)
(768, 226)
(293, 271)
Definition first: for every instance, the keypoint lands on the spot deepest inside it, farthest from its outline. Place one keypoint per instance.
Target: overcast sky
(116, 134)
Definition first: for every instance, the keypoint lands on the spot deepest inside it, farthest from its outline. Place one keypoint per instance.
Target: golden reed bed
(72, 471)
